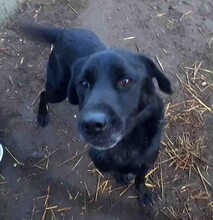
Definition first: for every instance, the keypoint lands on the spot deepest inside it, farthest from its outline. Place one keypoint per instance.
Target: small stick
(41, 197)
(196, 70)
(138, 48)
(201, 31)
(33, 212)
(39, 167)
(165, 51)
(151, 171)
(47, 164)
(130, 185)
(200, 196)
(22, 60)
(47, 196)
(53, 215)
(63, 209)
(162, 186)
(209, 109)
(72, 9)
(187, 211)
(44, 214)
(97, 188)
(105, 183)
(187, 13)
(88, 192)
(210, 42)
(132, 197)
(77, 163)
(100, 207)
(85, 202)
(69, 194)
(76, 196)
(205, 70)
(201, 177)
(37, 97)
(160, 15)
(46, 157)
(4, 182)
(18, 162)
(129, 38)
(99, 173)
(204, 179)
(52, 207)
(11, 81)
(2, 177)
(14, 48)
(116, 189)
(161, 66)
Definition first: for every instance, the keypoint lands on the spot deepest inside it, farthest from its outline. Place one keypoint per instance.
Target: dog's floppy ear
(152, 69)
(71, 91)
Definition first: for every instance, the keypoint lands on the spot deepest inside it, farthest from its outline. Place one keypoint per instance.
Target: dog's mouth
(104, 148)
(108, 144)
(104, 141)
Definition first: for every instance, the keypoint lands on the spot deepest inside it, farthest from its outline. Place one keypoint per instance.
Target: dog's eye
(125, 83)
(84, 84)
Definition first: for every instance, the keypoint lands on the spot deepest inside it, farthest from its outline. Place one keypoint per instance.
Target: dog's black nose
(93, 123)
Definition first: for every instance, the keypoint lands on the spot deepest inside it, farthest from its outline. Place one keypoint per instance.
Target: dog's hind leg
(49, 96)
(58, 76)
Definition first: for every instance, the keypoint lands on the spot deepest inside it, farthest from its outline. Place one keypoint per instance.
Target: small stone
(204, 83)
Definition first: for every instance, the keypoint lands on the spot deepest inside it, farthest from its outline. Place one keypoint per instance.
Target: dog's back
(74, 41)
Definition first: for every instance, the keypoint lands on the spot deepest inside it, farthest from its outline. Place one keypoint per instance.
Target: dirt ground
(45, 172)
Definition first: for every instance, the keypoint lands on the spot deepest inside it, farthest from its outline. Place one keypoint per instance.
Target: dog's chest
(130, 155)
(120, 160)
(128, 161)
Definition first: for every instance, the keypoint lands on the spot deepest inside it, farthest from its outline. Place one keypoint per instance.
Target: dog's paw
(43, 119)
(145, 197)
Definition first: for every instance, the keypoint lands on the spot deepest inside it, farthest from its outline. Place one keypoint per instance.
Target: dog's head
(111, 87)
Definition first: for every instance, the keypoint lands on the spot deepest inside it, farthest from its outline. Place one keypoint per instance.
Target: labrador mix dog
(121, 116)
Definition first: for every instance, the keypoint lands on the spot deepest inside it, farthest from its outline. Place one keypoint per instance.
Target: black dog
(121, 116)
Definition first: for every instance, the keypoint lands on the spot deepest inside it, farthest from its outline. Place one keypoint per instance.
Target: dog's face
(111, 88)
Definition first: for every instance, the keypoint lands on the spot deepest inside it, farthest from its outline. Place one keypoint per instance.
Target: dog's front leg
(144, 195)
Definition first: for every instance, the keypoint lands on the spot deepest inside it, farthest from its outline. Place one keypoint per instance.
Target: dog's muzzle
(100, 127)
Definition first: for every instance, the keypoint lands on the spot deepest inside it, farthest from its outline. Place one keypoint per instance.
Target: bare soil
(46, 173)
